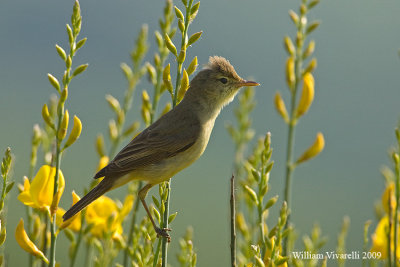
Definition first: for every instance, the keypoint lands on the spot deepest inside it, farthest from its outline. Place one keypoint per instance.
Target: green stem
(290, 165)
(233, 222)
(29, 227)
(183, 45)
(397, 167)
(78, 242)
(44, 248)
(53, 221)
(389, 235)
(89, 252)
(132, 227)
(28, 209)
(155, 261)
(157, 89)
(174, 103)
(164, 245)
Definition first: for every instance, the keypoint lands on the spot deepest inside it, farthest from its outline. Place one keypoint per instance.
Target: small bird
(174, 141)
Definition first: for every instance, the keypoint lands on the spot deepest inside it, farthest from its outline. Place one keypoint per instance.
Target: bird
(174, 141)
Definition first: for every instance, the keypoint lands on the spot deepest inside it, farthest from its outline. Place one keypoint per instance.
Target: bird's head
(218, 82)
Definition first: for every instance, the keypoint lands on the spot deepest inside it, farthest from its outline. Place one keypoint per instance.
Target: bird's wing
(161, 140)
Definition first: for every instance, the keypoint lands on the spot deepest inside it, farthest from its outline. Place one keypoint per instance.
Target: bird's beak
(248, 83)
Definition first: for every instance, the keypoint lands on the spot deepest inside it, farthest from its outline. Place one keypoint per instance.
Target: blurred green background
(356, 105)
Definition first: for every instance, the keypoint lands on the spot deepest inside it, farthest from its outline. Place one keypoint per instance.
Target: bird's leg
(160, 232)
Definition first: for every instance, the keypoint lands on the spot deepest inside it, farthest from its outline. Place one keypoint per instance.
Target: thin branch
(233, 222)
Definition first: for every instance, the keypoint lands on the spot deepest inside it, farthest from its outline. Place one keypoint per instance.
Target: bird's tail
(104, 186)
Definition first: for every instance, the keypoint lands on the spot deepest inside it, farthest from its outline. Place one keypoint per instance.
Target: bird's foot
(163, 233)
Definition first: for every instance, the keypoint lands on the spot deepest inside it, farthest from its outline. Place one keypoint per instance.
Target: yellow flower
(26, 244)
(389, 192)
(39, 194)
(379, 238)
(73, 223)
(106, 217)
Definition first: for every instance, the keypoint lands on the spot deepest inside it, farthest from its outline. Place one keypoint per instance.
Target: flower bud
(294, 17)
(313, 150)
(126, 70)
(61, 52)
(46, 117)
(307, 95)
(64, 95)
(166, 108)
(146, 100)
(184, 85)
(280, 106)
(251, 194)
(112, 129)
(100, 145)
(62, 132)
(290, 75)
(80, 69)
(196, 36)
(271, 202)
(26, 244)
(241, 223)
(170, 45)
(182, 56)
(311, 66)
(75, 133)
(178, 13)
(53, 81)
(113, 103)
(131, 129)
(166, 73)
(309, 50)
(289, 45)
(151, 71)
(3, 235)
(181, 25)
(192, 66)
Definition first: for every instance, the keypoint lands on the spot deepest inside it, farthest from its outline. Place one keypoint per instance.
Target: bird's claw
(163, 233)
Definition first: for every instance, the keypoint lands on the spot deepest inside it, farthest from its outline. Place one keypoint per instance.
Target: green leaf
(171, 47)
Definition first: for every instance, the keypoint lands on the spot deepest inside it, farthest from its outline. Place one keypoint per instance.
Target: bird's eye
(223, 80)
